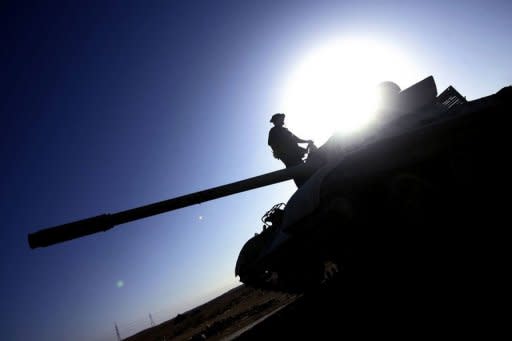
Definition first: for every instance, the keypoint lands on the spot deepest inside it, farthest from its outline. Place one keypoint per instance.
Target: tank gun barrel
(104, 222)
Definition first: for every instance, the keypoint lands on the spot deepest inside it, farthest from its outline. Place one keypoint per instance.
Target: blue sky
(107, 106)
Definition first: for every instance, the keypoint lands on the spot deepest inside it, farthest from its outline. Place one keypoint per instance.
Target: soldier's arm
(299, 140)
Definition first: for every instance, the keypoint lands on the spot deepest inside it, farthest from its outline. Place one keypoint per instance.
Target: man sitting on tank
(285, 146)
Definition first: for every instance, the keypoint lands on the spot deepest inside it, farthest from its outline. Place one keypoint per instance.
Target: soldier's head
(277, 119)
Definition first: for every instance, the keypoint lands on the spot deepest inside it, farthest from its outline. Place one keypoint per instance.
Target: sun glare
(333, 88)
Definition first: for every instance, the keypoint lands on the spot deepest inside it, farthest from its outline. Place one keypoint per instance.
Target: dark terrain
(219, 317)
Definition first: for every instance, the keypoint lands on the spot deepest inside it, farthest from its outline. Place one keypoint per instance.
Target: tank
(411, 200)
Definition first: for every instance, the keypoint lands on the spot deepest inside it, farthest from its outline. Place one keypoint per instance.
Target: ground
(218, 318)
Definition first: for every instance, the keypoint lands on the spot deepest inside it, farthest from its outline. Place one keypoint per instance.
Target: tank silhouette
(410, 199)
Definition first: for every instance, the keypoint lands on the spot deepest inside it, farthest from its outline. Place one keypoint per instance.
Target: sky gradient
(111, 105)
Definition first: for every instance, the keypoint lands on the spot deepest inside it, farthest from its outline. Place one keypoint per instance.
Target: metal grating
(450, 97)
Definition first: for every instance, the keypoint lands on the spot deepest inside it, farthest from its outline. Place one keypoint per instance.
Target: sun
(333, 87)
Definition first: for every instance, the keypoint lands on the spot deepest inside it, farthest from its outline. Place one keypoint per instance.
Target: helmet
(277, 116)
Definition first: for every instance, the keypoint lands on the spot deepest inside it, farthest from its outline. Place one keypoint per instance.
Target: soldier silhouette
(285, 146)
